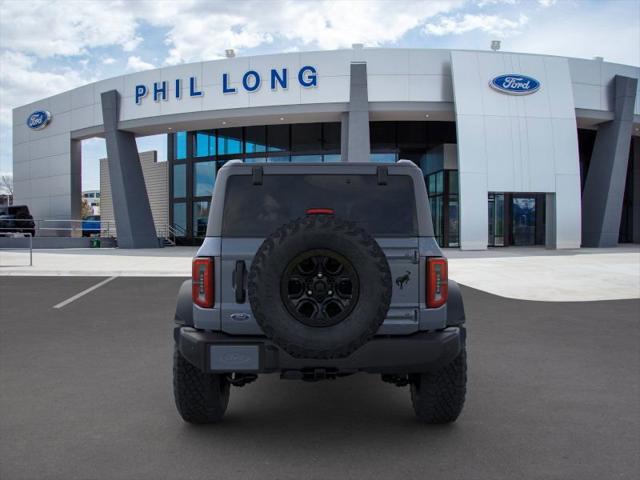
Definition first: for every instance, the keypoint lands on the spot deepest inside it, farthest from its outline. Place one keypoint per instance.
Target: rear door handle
(238, 281)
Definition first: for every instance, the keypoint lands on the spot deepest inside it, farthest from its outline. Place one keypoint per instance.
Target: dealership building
(516, 149)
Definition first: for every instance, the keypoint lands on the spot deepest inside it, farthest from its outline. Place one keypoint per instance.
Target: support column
(131, 209)
(604, 187)
(357, 141)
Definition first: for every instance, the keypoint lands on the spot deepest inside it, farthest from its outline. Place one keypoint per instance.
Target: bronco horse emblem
(402, 280)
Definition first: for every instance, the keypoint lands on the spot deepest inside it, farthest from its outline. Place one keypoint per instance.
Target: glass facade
(196, 157)
(442, 187)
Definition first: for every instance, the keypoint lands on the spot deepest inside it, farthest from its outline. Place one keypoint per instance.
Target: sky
(47, 47)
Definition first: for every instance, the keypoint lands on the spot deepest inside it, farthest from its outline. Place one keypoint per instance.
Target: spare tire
(320, 287)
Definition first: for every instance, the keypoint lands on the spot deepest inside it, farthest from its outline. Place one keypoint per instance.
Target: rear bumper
(420, 352)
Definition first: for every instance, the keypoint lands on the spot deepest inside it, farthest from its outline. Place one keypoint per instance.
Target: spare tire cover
(320, 287)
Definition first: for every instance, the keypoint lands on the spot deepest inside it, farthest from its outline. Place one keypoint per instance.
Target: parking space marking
(83, 293)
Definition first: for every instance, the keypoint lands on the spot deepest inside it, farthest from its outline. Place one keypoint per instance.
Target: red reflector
(437, 282)
(320, 211)
(202, 286)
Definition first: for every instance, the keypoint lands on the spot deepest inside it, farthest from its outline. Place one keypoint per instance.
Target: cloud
(491, 24)
(44, 29)
(203, 30)
(108, 61)
(135, 64)
(21, 83)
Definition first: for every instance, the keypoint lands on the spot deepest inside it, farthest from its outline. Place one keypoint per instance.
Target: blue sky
(47, 47)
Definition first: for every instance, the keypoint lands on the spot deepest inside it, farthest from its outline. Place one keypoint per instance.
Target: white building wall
(156, 180)
(509, 143)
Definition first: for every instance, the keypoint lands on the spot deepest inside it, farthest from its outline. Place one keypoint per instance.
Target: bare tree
(6, 184)
(86, 209)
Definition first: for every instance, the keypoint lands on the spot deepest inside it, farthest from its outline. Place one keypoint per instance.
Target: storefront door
(523, 213)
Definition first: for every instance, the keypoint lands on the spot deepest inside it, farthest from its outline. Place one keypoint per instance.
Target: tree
(6, 184)
(86, 209)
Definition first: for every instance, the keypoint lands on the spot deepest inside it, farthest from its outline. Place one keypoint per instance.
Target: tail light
(202, 288)
(437, 282)
(320, 211)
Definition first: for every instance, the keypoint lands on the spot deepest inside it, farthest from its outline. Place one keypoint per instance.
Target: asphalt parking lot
(85, 393)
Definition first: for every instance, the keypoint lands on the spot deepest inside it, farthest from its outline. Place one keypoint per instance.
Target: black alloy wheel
(320, 288)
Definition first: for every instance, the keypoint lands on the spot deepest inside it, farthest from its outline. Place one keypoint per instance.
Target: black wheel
(200, 397)
(438, 397)
(320, 287)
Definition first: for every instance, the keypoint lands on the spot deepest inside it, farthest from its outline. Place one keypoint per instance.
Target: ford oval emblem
(515, 84)
(38, 120)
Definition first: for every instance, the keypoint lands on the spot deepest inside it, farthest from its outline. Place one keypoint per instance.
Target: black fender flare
(455, 306)
(184, 306)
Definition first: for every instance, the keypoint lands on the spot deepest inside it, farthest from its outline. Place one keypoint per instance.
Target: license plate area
(234, 358)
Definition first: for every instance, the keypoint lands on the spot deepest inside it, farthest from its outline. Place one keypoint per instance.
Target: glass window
(412, 135)
(278, 138)
(255, 210)
(331, 136)
(204, 176)
(179, 181)
(306, 137)
(453, 182)
(383, 135)
(230, 141)
(98, 195)
(306, 158)
(282, 159)
(440, 181)
(200, 218)
(454, 227)
(180, 145)
(255, 139)
(205, 144)
(255, 160)
(383, 157)
(180, 216)
(332, 158)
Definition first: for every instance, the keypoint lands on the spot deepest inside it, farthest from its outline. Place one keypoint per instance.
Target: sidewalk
(521, 273)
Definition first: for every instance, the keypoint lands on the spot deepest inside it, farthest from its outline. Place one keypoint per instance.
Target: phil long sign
(515, 84)
(251, 81)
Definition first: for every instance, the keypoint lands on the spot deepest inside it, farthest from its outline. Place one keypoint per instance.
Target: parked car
(17, 219)
(91, 225)
(317, 272)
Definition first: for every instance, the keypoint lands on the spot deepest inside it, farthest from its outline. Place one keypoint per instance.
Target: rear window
(257, 210)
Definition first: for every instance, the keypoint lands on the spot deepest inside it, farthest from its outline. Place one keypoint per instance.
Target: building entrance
(516, 219)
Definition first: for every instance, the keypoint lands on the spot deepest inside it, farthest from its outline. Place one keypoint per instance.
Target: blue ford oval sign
(38, 120)
(515, 84)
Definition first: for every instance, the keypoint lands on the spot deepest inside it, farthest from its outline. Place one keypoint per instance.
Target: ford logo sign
(515, 84)
(38, 120)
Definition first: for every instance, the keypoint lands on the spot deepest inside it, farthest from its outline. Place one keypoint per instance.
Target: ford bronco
(319, 271)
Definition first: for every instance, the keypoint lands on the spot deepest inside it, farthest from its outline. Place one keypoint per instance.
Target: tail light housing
(437, 282)
(202, 284)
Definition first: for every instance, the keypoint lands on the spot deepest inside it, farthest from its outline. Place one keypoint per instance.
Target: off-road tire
(306, 234)
(438, 397)
(200, 397)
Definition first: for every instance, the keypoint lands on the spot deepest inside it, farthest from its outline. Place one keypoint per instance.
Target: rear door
(386, 211)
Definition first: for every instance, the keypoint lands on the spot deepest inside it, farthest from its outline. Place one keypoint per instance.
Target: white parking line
(83, 293)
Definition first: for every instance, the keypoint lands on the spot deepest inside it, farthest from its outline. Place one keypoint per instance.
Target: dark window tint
(257, 210)
(306, 137)
(278, 138)
(255, 139)
(331, 136)
(230, 141)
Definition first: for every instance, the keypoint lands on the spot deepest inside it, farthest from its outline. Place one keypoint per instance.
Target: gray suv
(319, 271)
